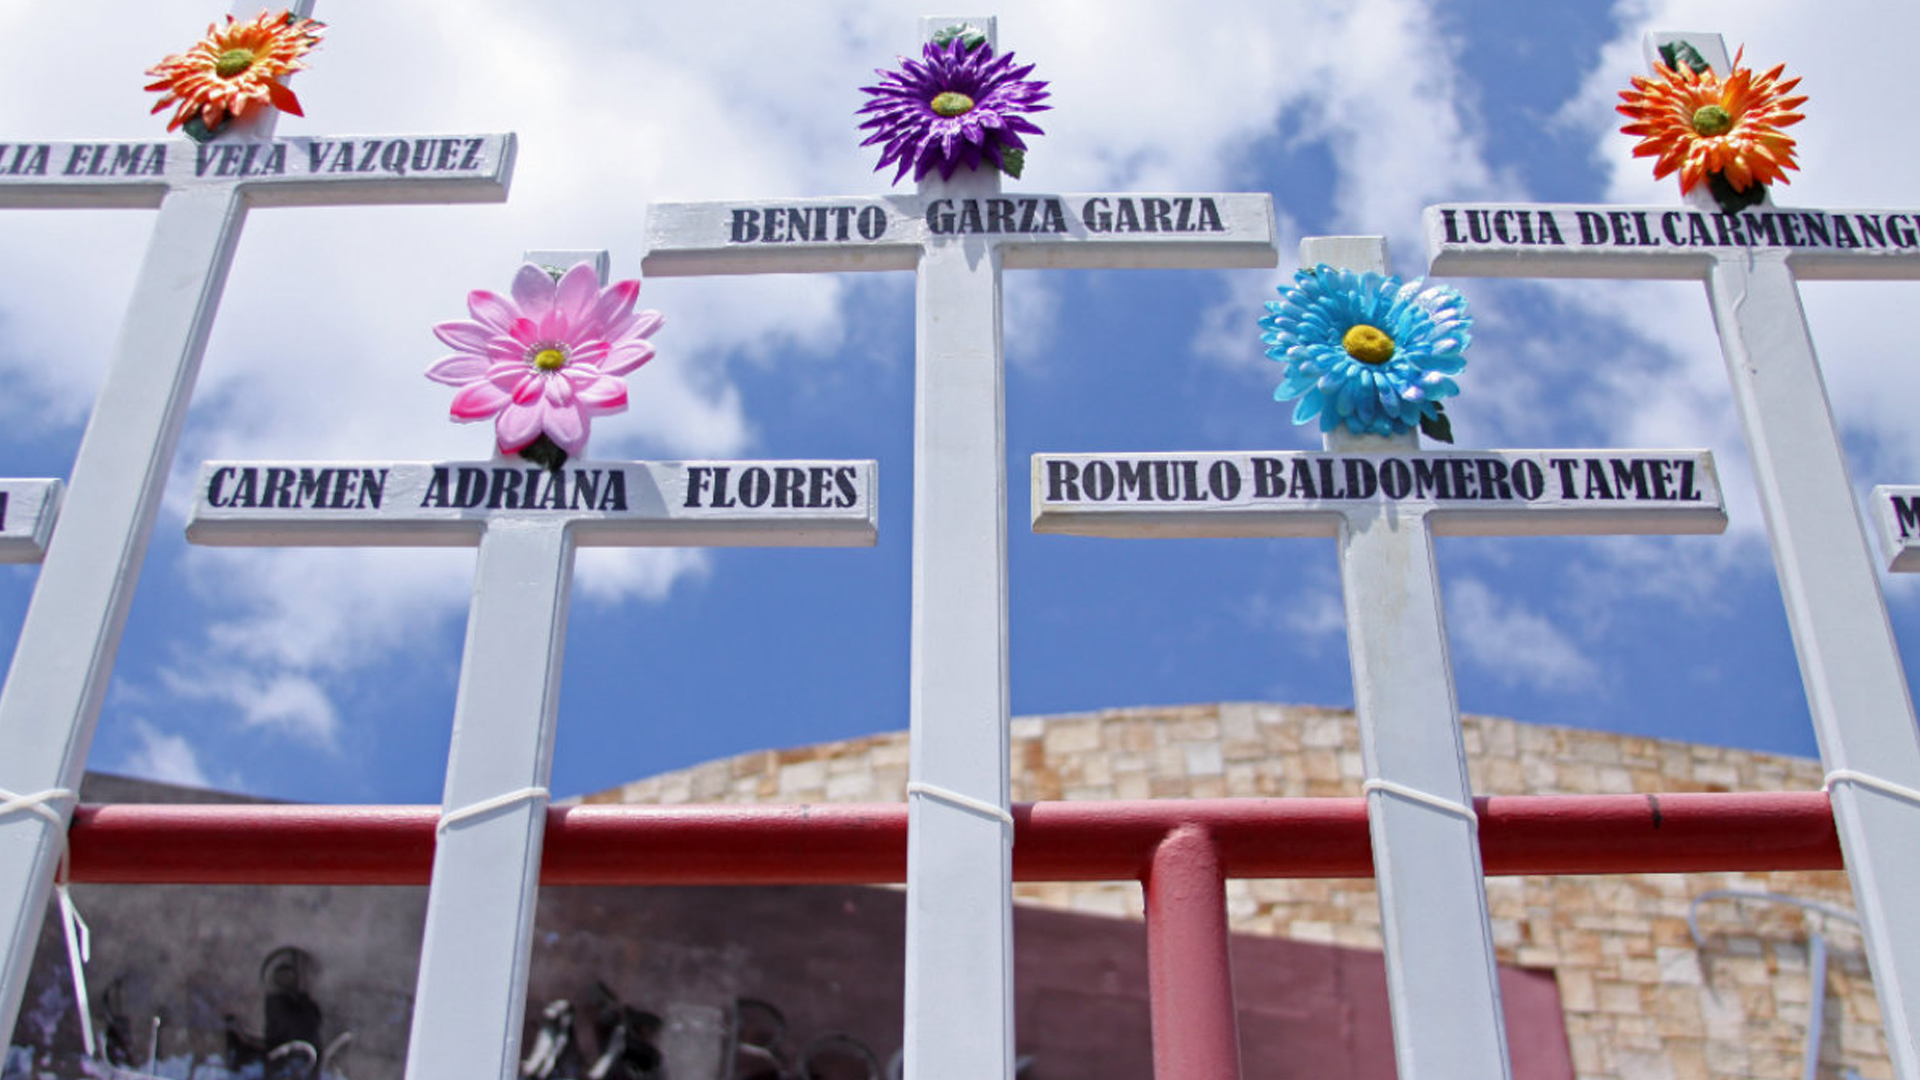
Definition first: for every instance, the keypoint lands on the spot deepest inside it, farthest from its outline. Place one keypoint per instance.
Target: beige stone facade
(1642, 1001)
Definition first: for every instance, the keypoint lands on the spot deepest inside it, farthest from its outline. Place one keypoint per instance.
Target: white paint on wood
(470, 1001)
(1896, 510)
(887, 232)
(28, 509)
(1443, 987)
(604, 503)
(51, 699)
(1856, 687)
(959, 235)
(1668, 242)
(1458, 492)
(321, 171)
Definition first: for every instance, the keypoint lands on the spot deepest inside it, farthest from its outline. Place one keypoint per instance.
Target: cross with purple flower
(956, 119)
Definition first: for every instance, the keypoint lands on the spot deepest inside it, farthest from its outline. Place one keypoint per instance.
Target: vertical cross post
(470, 1002)
(52, 696)
(959, 235)
(1856, 687)
(1384, 499)
(1443, 986)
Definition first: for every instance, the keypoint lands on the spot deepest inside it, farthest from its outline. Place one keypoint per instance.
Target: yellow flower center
(1711, 120)
(233, 62)
(552, 358)
(1368, 344)
(952, 103)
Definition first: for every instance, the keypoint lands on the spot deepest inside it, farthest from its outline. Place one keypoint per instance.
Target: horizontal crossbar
(866, 843)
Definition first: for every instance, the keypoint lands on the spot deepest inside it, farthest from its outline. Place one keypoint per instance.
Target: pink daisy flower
(548, 360)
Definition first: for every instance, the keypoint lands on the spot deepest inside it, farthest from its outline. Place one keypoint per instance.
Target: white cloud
(169, 759)
(1509, 640)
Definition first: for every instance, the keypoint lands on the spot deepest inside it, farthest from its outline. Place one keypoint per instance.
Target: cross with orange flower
(1718, 126)
(228, 86)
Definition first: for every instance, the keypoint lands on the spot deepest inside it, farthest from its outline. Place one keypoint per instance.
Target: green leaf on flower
(972, 35)
(1437, 427)
(1731, 201)
(545, 453)
(1012, 161)
(197, 130)
(1676, 53)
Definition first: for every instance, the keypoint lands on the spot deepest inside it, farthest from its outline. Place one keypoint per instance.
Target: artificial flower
(1694, 123)
(545, 361)
(957, 105)
(234, 68)
(1367, 350)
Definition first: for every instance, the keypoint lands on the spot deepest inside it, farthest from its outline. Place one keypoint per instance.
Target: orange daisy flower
(1696, 124)
(234, 68)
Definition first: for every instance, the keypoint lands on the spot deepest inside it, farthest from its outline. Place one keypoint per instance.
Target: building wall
(1642, 1001)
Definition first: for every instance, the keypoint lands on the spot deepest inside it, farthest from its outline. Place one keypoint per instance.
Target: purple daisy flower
(952, 107)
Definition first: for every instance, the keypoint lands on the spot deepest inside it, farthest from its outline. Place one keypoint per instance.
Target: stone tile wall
(1642, 1001)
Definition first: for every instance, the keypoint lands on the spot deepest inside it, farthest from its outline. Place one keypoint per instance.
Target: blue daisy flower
(1367, 350)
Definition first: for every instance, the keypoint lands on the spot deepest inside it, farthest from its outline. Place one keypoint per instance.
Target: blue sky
(329, 675)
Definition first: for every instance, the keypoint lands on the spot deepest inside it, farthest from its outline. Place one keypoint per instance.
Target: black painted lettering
(1597, 480)
(1451, 227)
(615, 496)
(1095, 215)
(277, 492)
(1063, 481)
(787, 484)
(745, 226)
(470, 487)
(1210, 217)
(1492, 476)
(843, 479)
(504, 494)
(1396, 480)
(1460, 471)
(1301, 480)
(1362, 478)
(1593, 227)
(437, 494)
(1528, 479)
(246, 489)
(1156, 215)
(1688, 493)
(1906, 514)
(1430, 479)
(472, 160)
(1223, 479)
(215, 497)
(1267, 481)
(1564, 466)
(873, 222)
(586, 488)
(373, 487)
(1000, 215)
(311, 488)
(755, 486)
(1630, 476)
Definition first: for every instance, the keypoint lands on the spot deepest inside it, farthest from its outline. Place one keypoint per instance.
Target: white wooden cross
(52, 696)
(1856, 686)
(27, 512)
(1896, 510)
(957, 236)
(470, 1001)
(1384, 498)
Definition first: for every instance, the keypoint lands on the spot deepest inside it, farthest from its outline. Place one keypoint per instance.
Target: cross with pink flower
(542, 363)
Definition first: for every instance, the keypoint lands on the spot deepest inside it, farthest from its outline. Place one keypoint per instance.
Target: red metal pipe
(866, 843)
(1189, 972)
